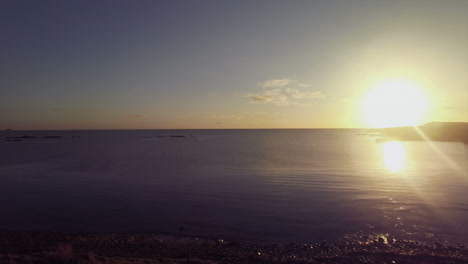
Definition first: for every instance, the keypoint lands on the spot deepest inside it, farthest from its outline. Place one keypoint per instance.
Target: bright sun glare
(394, 103)
(393, 155)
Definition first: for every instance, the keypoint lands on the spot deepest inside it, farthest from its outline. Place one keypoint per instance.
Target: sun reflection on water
(394, 155)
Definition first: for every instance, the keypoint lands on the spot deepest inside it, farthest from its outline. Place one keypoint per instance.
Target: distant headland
(435, 131)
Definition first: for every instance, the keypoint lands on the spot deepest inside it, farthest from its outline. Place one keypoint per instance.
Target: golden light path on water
(394, 155)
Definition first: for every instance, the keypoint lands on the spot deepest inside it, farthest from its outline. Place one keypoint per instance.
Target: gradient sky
(223, 64)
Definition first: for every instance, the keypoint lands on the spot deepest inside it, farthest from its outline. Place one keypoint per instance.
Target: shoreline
(46, 247)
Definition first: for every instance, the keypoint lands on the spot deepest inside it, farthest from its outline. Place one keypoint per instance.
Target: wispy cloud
(286, 92)
(297, 94)
(275, 83)
(275, 96)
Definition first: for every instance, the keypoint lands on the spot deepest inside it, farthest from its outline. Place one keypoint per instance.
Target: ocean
(303, 185)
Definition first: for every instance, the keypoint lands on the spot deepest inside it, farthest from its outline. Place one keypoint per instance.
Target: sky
(224, 64)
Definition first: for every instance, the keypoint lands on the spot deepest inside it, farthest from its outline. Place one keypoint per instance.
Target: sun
(394, 102)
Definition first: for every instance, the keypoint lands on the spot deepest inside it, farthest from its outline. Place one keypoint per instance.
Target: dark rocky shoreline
(35, 247)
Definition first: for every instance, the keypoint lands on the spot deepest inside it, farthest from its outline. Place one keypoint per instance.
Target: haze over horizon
(232, 64)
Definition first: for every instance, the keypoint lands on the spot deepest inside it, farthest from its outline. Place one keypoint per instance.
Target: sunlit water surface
(270, 185)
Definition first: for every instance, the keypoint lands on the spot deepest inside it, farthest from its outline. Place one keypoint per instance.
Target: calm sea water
(270, 185)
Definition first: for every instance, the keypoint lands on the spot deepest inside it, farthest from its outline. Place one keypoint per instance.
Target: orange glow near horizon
(395, 102)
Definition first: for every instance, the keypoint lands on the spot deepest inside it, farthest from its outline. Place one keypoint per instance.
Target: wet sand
(27, 247)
